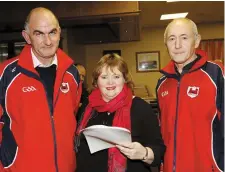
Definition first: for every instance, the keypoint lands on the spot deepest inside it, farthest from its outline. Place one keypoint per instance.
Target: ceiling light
(173, 16)
(172, 1)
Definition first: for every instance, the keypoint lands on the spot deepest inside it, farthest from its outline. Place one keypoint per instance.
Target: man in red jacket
(39, 92)
(191, 102)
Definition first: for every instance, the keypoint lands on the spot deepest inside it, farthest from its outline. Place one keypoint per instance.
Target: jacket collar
(170, 69)
(37, 63)
(26, 61)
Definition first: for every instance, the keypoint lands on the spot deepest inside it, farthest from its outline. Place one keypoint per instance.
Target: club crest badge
(65, 87)
(193, 91)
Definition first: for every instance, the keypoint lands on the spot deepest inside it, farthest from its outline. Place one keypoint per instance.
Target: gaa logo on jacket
(193, 91)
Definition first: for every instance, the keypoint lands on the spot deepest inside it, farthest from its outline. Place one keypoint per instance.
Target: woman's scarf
(121, 104)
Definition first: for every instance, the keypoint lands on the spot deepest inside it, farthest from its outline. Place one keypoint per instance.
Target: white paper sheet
(101, 137)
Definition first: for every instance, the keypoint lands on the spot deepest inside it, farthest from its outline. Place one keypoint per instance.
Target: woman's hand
(132, 150)
(136, 151)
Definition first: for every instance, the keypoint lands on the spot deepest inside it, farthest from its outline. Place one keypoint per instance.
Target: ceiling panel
(199, 11)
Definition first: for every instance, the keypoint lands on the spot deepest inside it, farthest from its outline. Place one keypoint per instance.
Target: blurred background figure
(82, 71)
(84, 96)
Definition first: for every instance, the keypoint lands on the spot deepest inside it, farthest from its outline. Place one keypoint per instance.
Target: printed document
(101, 137)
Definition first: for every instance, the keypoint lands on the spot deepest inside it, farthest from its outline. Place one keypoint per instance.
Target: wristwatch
(146, 155)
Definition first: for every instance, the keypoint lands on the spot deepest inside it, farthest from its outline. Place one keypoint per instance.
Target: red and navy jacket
(37, 134)
(192, 116)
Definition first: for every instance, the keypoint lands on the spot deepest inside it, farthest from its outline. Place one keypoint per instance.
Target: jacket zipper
(53, 128)
(35, 76)
(53, 125)
(31, 74)
(55, 144)
(175, 127)
(52, 121)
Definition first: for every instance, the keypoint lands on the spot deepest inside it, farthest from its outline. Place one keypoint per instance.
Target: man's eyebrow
(53, 30)
(171, 36)
(38, 31)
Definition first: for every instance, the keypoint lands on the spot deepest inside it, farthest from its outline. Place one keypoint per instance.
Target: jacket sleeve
(157, 144)
(1, 125)
(79, 92)
(220, 110)
(145, 125)
(73, 70)
(1, 113)
(1, 102)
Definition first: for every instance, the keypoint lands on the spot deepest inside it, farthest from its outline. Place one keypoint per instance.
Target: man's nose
(47, 40)
(178, 43)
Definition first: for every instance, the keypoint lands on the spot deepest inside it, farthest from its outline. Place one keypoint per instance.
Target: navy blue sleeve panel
(1, 110)
(73, 70)
(216, 74)
(2, 99)
(220, 98)
(8, 145)
(220, 107)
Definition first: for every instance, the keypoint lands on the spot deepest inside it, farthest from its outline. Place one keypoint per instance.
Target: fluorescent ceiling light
(172, 1)
(173, 16)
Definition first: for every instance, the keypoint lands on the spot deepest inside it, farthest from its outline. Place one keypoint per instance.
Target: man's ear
(26, 36)
(60, 30)
(197, 41)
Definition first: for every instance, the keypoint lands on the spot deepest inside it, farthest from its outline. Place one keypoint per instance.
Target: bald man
(39, 92)
(191, 101)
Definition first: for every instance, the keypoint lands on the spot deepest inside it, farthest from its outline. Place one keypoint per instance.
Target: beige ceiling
(199, 12)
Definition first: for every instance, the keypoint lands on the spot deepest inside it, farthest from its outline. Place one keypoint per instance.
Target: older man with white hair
(191, 102)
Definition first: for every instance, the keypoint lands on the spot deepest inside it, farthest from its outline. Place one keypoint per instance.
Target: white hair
(194, 27)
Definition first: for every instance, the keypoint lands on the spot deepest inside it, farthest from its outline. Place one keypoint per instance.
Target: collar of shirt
(188, 66)
(37, 63)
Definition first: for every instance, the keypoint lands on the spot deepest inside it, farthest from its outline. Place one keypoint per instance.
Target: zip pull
(76, 142)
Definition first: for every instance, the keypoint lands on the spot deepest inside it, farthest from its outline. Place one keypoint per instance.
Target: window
(18, 46)
(3, 51)
(10, 49)
(214, 48)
